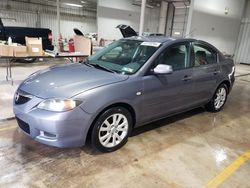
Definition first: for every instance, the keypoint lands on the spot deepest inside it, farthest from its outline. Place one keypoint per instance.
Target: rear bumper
(232, 83)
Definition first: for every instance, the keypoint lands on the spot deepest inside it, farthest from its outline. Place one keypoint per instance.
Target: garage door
(242, 54)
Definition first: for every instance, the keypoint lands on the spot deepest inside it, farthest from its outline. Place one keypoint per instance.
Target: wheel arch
(118, 104)
(227, 83)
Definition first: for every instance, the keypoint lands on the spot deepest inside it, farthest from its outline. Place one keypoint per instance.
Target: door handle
(186, 78)
(216, 72)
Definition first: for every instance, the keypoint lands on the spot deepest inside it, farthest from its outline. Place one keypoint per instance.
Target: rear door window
(204, 55)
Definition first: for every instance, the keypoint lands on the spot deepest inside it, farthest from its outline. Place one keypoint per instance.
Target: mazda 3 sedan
(131, 82)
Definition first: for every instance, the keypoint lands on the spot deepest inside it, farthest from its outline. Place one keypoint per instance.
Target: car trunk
(126, 31)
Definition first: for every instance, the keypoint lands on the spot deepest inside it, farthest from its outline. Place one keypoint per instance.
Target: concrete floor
(189, 150)
(20, 71)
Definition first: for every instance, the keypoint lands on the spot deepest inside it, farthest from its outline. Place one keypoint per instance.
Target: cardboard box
(20, 51)
(11, 51)
(34, 46)
(6, 50)
(3, 50)
(82, 45)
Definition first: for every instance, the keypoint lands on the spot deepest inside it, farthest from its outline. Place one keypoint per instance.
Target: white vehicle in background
(148, 34)
(92, 36)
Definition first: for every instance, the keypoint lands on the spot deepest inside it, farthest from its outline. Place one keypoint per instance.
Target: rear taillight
(50, 37)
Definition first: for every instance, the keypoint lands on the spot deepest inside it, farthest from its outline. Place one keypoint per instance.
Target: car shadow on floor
(165, 122)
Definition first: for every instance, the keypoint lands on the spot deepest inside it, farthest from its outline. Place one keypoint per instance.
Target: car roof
(164, 39)
(160, 39)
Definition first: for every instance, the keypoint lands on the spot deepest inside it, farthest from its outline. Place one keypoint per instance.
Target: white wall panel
(67, 24)
(242, 50)
(114, 12)
(209, 21)
(12, 18)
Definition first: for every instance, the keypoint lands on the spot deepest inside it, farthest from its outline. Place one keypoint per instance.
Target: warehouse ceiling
(157, 3)
(73, 4)
(92, 4)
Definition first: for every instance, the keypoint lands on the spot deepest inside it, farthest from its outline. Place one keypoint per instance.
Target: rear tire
(111, 130)
(219, 99)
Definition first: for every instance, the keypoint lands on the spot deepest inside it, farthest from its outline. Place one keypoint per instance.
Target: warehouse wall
(68, 23)
(242, 54)
(24, 14)
(111, 13)
(209, 21)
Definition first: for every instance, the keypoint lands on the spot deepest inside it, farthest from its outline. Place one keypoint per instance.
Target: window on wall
(204, 55)
(176, 56)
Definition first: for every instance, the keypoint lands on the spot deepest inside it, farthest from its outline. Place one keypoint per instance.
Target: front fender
(97, 99)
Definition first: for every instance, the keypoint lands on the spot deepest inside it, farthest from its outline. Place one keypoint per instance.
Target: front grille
(21, 98)
(24, 126)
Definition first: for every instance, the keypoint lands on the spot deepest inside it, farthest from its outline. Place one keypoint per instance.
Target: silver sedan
(131, 82)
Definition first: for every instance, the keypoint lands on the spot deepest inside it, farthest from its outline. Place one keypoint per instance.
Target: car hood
(66, 81)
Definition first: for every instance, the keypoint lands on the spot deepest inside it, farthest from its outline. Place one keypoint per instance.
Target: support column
(163, 17)
(143, 6)
(38, 21)
(170, 19)
(58, 17)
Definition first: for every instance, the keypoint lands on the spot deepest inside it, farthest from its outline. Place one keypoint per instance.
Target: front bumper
(64, 129)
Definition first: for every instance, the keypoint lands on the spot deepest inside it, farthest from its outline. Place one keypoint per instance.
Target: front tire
(26, 60)
(219, 99)
(111, 130)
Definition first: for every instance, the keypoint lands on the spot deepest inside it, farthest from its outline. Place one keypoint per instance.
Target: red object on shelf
(71, 45)
(50, 37)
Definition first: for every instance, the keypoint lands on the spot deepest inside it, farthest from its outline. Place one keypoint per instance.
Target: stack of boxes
(33, 48)
(82, 45)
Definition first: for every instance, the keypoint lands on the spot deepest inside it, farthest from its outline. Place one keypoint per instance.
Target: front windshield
(124, 56)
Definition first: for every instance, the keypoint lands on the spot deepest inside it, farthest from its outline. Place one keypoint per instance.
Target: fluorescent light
(182, 7)
(73, 5)
(83, 2)
(177, 33)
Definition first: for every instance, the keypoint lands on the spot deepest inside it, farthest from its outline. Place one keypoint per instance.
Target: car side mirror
(163, 69)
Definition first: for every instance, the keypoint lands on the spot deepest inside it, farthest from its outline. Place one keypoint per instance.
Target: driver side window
(176, 56)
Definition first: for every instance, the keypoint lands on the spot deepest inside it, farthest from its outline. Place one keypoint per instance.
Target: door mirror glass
(163, 69)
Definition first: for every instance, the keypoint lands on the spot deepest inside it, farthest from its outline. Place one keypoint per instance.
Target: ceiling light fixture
(73, 5)
(182, 7)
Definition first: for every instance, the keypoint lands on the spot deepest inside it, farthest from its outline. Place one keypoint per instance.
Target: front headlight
(58, 105)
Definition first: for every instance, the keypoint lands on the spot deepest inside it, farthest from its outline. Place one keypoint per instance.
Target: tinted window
(204, 55)
(176, 56)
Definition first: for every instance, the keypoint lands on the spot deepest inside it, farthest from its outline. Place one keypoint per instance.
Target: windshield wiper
(102, 67)
(87, 63)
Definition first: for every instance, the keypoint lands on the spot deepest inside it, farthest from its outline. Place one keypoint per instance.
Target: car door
(205, 72)
(166, 94)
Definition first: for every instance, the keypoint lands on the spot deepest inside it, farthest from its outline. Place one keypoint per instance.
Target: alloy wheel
(220, 98)
(113, 130)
